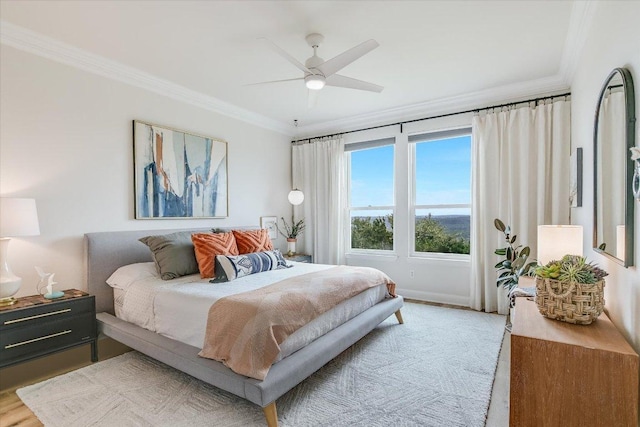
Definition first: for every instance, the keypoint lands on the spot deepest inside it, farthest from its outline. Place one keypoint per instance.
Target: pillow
(250, 241)
(208, 245)
(229, 268)
(173, 254)
(123, 277)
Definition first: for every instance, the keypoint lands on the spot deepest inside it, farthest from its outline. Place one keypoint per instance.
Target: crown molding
(38, 44)
(480, 99)
(582, 14)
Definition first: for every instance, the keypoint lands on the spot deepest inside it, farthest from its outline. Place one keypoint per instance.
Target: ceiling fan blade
(286, 56)
(274, 81)
(337, 63)
(312, 98)
(351, 83)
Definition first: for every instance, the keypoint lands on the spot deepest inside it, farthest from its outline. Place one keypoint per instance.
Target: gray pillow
(173, 253)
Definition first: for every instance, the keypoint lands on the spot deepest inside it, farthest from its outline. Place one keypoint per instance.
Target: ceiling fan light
(314, 81)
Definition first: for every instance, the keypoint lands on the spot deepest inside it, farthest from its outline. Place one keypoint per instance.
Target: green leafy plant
(515, 262)
(571, 268)
(292, 231)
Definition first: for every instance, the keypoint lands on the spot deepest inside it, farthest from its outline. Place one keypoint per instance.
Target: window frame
(359, 146)
(413, 141)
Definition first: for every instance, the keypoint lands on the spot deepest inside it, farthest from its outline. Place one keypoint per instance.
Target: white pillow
(123, 277)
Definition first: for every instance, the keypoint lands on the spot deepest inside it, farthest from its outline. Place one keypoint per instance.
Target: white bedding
(178, 308)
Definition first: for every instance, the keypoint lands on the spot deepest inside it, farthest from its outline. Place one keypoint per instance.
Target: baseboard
(46, 367)
(434, 297)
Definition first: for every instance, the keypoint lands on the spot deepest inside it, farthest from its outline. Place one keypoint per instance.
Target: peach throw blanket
(244, 331)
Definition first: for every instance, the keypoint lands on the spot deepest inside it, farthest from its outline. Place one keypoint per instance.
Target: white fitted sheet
(178, 308)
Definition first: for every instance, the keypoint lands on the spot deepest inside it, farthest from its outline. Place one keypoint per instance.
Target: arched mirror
(614, 134)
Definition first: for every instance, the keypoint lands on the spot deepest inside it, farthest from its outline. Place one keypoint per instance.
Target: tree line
(431, 235)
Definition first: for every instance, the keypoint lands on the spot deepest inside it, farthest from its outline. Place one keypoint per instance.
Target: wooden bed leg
(399, 317)
(271, 414)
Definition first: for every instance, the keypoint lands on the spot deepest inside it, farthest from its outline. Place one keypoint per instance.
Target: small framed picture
(270, 223)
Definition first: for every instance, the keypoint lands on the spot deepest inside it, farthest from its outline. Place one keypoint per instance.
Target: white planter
(291, 246)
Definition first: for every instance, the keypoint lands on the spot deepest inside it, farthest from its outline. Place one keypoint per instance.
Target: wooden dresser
(570, 375)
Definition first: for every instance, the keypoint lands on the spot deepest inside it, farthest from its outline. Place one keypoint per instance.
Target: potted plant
(570, 289)
(514, 263)
(291, 233)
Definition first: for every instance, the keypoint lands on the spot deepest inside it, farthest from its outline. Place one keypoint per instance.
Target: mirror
(614, 134)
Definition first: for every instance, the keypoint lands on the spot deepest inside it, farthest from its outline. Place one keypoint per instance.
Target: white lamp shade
(18, 217)
(556, 241)
(296, 197)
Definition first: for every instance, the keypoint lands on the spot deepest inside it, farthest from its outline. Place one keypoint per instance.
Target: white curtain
(319, 171)
(520, 175)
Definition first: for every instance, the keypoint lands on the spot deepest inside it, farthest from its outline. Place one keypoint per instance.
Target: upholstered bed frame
(107, 251)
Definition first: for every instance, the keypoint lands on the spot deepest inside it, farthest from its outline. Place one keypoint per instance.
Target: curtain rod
(474, 110)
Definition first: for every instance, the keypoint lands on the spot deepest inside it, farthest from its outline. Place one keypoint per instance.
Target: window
(371, 185)
(441, 214)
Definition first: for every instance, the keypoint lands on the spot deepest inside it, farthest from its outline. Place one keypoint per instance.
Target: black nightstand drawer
(35, 326)
(42, 339)
(42, 314)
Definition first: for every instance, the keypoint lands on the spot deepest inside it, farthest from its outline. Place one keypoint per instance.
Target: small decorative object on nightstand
(46, 284)
(299, 258)
(35, 326)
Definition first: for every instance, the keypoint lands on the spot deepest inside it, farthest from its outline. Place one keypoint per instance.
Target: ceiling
(433, 55)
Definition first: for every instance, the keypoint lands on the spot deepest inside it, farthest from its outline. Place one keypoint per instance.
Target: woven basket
(571, 302)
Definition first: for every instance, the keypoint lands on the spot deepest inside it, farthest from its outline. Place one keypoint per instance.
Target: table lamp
(18, 217)
(556, 241)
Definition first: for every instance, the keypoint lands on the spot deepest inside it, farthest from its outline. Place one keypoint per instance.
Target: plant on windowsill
(515, 262)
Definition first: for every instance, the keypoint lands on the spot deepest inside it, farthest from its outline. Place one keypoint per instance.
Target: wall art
(178, 174)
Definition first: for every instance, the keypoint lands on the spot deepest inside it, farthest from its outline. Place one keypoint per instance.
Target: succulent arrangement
(515, 262)
(571, 268)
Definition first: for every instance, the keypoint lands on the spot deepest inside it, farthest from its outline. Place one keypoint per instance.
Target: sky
(443, 176)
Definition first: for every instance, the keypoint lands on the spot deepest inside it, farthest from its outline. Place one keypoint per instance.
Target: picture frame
(575, 193)
(270, 223)
(178, 174)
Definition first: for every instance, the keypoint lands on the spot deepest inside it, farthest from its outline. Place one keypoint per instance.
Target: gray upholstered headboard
(105, 252)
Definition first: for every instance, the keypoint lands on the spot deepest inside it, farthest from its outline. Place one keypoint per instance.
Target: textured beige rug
(435, 370)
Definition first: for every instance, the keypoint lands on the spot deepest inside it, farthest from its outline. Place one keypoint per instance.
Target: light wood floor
(14, 413)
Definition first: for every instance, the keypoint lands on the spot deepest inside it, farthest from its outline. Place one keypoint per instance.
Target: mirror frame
(630, 121)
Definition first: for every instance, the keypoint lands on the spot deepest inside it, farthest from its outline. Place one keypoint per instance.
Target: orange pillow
(250, 241)
(207, 246)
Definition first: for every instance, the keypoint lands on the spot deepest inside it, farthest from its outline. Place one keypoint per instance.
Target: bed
(105, 252)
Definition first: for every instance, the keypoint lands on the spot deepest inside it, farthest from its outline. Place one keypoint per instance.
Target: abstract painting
(178, 174)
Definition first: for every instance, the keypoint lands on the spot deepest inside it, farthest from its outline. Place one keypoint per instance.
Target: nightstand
(298, 258)
(35, 326)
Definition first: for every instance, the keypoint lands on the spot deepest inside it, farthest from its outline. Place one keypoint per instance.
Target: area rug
(435, 370)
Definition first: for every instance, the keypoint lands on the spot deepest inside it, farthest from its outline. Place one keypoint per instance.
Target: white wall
(66, 140)
(614, 41)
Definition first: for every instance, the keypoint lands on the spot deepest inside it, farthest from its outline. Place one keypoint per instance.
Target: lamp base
(7, 301)
(54, 295)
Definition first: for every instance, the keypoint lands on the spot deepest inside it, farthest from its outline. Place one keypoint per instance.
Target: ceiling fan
(318, 72)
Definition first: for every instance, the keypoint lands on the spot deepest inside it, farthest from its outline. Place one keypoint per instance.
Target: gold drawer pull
(18, 344)
(24, 319)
